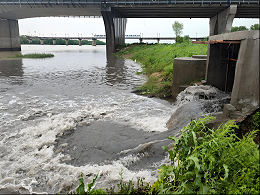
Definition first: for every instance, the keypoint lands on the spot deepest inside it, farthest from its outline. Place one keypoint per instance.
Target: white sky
(51, 26)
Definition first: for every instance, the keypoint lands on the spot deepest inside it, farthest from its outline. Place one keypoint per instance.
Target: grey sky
(51, 26)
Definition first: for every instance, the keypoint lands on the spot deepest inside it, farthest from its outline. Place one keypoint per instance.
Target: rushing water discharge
(75, 113)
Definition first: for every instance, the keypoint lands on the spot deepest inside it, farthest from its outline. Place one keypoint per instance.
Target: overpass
(116, 12)
(96, 37)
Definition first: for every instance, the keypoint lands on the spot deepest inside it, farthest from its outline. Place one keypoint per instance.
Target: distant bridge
(95, 37)
(116, 12)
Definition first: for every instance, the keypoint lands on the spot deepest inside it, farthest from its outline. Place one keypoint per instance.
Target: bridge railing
(127, 2)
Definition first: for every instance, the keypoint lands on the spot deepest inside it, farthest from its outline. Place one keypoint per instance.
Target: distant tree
(179, 39)
(186, 38)
(73, 42)
(36, 41)
(238, 28)
(254, 27)
(86, 42)
(48, 41)
(100, 42)
(177, 27)
(23, 40)
(60, 42)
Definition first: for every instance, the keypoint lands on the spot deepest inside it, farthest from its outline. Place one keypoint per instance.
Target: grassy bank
(32, 55)
(157, 63)
(203, 161)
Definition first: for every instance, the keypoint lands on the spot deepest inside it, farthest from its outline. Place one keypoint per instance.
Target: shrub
(210, 162)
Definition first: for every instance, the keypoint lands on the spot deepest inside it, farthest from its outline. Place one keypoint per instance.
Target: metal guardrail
(126, 2)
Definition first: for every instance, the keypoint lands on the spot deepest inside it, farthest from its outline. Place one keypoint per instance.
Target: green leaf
(92, 183)
(81, 188)
(226, 171)
(195, 160)
(203, 189)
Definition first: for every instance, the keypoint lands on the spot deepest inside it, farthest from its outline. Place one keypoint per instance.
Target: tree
(254, 27)
(23, 40)
(238, 28)
(177, 27)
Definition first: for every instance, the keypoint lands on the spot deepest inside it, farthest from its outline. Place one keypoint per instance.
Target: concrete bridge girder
(114, 15)
(222, 22)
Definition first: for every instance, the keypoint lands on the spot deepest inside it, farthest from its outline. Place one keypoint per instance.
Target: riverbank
(157, 64)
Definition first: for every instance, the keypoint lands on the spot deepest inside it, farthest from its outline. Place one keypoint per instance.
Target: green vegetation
(254, 27)
(203, 161)
(157, 63)
(241, 28)
(177, 27)
(32, 55)
(24, 40)
(210, 162)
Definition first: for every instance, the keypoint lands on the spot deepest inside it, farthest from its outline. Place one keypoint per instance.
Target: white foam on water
(30, 163)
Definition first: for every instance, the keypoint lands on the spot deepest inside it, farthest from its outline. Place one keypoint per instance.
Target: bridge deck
(19, 9)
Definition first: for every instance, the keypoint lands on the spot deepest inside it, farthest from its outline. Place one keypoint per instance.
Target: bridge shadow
(11, 68)
(116, 73)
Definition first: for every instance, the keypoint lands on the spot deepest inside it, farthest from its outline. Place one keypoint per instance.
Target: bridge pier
(115, 26)
(42, 43)
(94, 42)
(80, 42)
(9, 35)
(222, 22)
(54, 41)
(67, 42)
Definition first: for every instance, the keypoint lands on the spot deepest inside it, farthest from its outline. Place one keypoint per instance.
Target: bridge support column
(42, 43)
(222, 22)
(94, 42)
(54, 41)
(80, 42)
(30, 40)
(9, 35)
(158, 40)
(115, 25)
(67, 42)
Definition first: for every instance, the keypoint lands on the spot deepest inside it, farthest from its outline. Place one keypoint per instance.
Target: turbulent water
(75, 113)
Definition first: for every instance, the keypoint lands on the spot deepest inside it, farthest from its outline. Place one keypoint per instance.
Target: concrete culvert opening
(229, 55)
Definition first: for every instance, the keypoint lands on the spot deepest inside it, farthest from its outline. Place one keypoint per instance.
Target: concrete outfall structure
(185, 70)
(235, 68)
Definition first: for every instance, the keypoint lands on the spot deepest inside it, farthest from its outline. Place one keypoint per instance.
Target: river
(75, 113)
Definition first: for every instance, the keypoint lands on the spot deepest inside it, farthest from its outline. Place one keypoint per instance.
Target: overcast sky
(51, 26)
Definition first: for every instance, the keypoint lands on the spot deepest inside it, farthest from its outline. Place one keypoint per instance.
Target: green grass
(159, 58)
(32, 55)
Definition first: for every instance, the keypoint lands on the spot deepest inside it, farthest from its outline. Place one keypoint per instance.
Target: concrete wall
(185, 70)
(245, 89)
(9, 35)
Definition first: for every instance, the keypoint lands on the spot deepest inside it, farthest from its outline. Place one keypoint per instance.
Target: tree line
(24, 40)
(241, 28)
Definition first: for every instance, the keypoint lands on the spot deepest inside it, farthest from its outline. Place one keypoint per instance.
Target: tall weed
(210, 162)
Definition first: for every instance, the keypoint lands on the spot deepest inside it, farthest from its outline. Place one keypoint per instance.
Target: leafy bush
(210, 162)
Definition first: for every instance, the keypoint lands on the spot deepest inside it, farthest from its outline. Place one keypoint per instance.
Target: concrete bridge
(116, 12)
(96, 37)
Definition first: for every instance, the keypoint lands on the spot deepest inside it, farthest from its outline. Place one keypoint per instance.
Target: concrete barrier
(185, 70)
